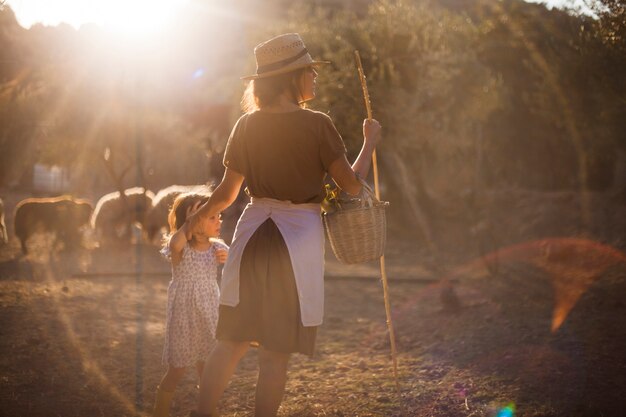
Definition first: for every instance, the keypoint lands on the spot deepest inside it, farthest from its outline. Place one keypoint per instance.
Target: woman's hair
(178, 213)
(265, 91)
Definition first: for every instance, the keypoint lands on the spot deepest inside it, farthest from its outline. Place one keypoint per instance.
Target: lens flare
(573, 265)
(508, 411)
(198, 73)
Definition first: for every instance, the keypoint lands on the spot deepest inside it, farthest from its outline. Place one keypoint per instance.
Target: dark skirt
(268, 313)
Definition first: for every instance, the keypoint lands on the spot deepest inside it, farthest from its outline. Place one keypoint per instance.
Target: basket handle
(367, 196)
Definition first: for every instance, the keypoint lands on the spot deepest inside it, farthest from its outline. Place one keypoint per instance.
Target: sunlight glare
(139, 17)
(136, 18)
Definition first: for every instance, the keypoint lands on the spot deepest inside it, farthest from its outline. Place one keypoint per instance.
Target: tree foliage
(470, 94)
(506, 92)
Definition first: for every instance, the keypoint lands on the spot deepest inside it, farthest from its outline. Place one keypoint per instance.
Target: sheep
(156, 219)
(62, 215)
(112, 217)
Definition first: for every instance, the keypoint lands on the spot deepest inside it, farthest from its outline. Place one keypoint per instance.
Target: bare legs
(270, 386)
(217, 372)
(172, 378)
(220, 367)
(165, 391)
(199, 369)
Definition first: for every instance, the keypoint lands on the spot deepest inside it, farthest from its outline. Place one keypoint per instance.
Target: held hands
(194, 221)
(372, 131)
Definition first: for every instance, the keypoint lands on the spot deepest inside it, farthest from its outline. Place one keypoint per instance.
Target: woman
(272, 283)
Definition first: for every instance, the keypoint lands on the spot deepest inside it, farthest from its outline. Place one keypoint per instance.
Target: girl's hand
(371, 131)
(190, 223)
(194, 221)
(221, 255)
(193, 209)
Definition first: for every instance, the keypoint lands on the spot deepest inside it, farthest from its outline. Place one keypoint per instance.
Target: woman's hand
(343, 173)
(371, 131)
(223, 196)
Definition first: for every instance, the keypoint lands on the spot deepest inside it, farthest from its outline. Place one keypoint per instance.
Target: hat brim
(285, 70)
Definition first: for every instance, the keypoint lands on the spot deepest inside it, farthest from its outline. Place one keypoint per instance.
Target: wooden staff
(392, 337)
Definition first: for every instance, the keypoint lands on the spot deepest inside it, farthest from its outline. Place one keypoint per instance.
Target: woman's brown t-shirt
(284, 156)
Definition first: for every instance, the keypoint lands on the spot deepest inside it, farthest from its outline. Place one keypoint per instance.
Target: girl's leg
(200, 368)
(217, 372)
(271, 383)
(165, 391)
(172, 378)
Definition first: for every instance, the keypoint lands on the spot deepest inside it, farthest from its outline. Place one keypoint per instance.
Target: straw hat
(279, 55)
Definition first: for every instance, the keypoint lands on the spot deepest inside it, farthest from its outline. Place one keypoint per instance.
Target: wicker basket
(357, 229)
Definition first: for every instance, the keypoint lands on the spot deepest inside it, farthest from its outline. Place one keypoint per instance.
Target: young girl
(192, 296)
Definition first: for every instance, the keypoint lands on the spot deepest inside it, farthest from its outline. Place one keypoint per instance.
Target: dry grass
(90, 345)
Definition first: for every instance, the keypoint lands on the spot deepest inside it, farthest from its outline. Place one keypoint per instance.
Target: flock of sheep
(110, 220)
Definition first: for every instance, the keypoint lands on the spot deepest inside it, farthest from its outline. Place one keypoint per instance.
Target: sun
(138, 17)
(125, 17)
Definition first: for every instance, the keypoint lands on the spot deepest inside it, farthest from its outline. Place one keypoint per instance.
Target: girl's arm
(223, 196)
(179, 239)
(343, 174)
(177, 243)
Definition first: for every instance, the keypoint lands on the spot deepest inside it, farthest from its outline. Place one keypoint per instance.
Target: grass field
(78, 342)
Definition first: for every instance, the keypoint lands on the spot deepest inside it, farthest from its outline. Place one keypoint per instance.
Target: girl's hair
(265, 91)
(178, 213)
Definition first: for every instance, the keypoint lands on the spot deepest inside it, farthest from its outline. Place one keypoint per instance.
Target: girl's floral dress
(192, 306)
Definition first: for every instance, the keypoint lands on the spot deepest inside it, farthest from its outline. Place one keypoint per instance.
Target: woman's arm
(223, 196)
(343, 174)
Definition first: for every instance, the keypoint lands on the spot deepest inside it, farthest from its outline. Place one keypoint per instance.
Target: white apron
(301, 228)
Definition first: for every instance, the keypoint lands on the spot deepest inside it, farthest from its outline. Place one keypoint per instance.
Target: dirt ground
(540, 331)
